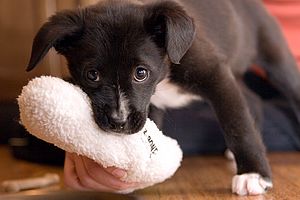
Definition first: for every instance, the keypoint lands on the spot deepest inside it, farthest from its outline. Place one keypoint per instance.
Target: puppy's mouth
(133, 124)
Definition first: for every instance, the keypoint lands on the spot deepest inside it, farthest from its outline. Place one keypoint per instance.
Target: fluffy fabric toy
(60, 113)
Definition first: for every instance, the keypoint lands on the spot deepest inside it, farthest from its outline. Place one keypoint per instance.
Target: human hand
(82, 173)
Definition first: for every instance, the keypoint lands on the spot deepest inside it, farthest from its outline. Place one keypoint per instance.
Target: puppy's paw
(250, 184)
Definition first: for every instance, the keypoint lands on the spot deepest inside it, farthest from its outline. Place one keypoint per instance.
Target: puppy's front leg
(241, 134)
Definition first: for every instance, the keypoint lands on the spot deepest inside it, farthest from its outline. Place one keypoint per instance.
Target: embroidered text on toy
(153, 147)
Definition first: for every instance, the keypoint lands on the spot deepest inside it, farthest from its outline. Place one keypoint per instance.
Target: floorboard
(202, 177)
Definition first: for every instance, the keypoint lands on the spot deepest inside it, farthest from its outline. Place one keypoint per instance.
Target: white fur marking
(250, 184)
(122, 113)
(168, 95)
(230, 156)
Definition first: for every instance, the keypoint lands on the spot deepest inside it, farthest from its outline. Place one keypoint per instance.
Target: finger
(85, 179)
(117, 172)
(120, 174)
(70, 176)
(100, 175)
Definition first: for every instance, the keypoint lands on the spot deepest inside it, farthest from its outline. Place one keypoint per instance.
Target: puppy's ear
(58, 32)
(170, 27)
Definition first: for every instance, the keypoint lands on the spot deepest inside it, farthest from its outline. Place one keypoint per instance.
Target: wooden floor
(205, 177)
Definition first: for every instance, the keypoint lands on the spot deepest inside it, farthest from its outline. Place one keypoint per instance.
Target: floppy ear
(170, 27)
(57, 32)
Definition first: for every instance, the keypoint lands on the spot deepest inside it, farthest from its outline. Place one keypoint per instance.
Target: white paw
(250, 184)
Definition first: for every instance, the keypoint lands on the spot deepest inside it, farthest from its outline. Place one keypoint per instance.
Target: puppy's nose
(117, 122)
(117, 127)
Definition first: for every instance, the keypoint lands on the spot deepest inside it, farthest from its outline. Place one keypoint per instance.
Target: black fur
(204, 46)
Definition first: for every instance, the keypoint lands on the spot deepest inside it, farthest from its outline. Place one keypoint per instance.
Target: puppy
(124, 53)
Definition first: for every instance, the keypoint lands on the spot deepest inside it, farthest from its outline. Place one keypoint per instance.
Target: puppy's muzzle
(117, 123)
(110, 122)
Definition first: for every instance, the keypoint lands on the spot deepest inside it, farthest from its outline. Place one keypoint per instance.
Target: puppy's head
(117, 52)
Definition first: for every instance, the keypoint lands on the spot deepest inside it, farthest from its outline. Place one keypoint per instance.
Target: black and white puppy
(121, 52)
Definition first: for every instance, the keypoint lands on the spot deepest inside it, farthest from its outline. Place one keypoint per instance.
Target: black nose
(117, 126)
(112, 124)
(116, 123)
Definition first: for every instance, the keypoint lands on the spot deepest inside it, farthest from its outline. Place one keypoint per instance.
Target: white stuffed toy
(60, 113)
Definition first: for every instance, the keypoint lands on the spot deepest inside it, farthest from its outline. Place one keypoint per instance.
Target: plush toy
(60, 113)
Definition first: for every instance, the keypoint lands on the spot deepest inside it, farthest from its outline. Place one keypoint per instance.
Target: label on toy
(153, 147)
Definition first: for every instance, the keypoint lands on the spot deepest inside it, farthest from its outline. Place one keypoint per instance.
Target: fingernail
(119, 173)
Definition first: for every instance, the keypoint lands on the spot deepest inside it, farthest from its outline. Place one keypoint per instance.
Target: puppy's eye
(141, 74)
(93, 75)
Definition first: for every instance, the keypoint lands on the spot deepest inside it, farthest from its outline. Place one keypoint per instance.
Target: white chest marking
(168, 95)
